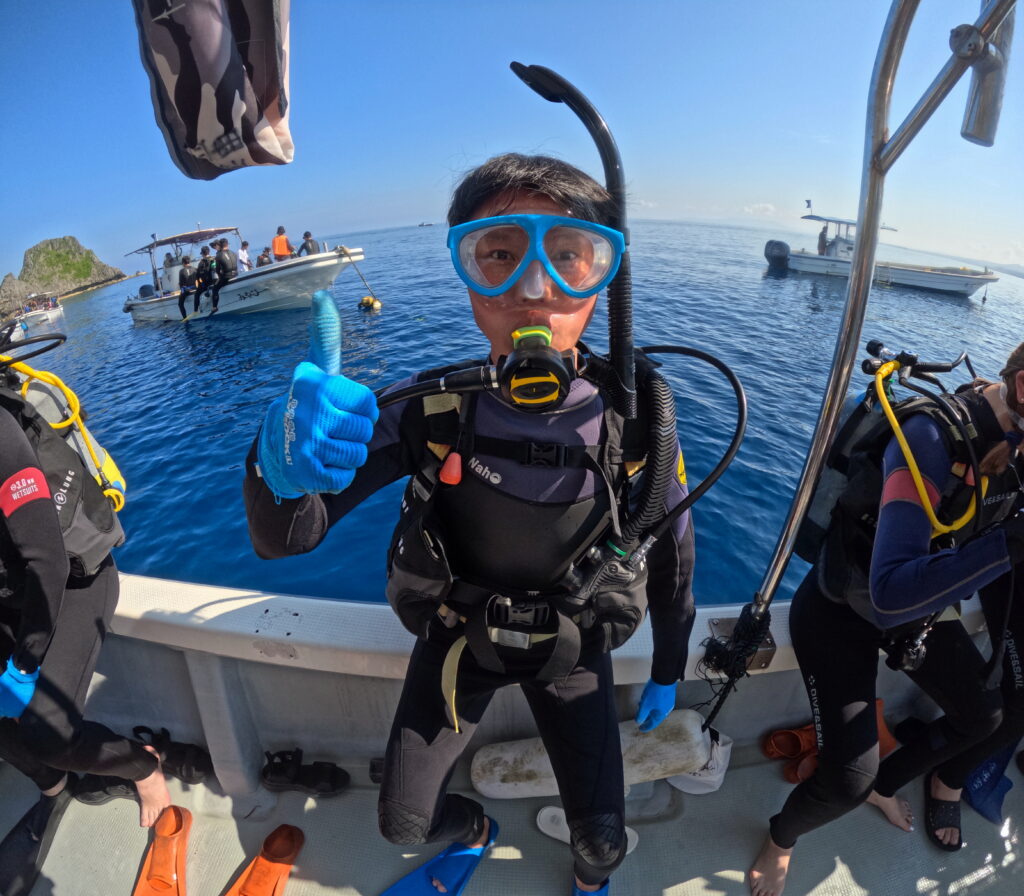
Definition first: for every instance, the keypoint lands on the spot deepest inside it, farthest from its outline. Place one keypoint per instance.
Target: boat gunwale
(360, 638)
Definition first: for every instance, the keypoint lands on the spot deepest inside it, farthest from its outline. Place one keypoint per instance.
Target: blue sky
(732, 111)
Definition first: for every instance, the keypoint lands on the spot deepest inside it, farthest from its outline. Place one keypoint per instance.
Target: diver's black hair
(1013, 364)
(576, 191)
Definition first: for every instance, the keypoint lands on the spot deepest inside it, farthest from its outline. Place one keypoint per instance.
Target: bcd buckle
(505, 611)
(545, 454)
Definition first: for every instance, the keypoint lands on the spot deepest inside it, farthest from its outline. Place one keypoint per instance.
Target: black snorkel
(555, 89)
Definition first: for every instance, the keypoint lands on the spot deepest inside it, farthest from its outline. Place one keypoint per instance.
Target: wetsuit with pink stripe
(837, 648)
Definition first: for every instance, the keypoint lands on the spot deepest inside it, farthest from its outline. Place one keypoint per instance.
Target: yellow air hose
(938, 528)
(107, 471)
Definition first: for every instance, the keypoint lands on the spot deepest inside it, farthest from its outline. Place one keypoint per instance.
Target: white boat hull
(963, 282)
(43, 316)
(283, 286)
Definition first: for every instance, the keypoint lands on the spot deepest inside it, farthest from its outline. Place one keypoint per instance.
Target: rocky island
(55, 267)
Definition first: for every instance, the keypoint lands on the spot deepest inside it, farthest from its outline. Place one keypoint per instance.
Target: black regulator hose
(47, 340)
(662, 458)
(734, 444)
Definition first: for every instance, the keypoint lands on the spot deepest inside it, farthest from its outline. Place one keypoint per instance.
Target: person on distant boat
(187, 279)
(263, 259)
(283, 249)
(518, 494)
(891, 586)
(244, 262)
(227, 269)
(309, 245)
(54, 614)
(206, 272)
(823, 240)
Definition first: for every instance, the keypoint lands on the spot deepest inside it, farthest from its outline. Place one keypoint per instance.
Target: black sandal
(186, 762)
(95, 790)
(284, 771)
(940, 814)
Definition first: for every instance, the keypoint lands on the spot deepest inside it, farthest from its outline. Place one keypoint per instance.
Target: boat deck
(688, 845)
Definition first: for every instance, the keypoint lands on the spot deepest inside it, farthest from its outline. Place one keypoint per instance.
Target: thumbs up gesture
(314, 438)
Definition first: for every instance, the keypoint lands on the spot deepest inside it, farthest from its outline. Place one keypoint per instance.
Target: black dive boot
(24, 849)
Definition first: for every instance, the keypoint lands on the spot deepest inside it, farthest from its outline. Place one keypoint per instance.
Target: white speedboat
(43, 308)
(837, 241)
(280, 286)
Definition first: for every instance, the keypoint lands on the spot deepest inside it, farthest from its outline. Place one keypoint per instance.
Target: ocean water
(178, 405)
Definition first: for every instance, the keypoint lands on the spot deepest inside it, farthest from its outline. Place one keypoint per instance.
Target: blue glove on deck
(314, 438)
(656, 702)
(16, 690)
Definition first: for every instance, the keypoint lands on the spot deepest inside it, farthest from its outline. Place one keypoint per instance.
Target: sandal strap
(943, 814)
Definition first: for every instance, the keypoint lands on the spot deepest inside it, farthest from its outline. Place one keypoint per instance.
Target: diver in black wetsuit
(227, 269)
(874, 588)
(309, 246)
(516, 506)
(52, 625)
(187, 279)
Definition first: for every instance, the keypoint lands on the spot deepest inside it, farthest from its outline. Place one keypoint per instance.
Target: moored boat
(835, 254)
(281, 286)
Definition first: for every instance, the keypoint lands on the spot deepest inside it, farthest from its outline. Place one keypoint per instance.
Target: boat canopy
(184, 239)
(845, 221)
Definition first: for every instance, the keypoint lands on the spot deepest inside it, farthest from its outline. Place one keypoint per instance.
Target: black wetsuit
(309, 247)
(837, 648)
(205, 275)
(55, 623)
(227, 269)
(576, 714)
(187, 279)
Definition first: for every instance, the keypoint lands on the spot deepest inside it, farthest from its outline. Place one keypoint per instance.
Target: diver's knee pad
(599, 840)
(400, 825)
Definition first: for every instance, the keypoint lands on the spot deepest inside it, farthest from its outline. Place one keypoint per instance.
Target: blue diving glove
(656, 702)
(16, 690)
(314, 438)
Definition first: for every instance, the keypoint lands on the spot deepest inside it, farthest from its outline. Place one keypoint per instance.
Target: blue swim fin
(453, 866)
(987, 785)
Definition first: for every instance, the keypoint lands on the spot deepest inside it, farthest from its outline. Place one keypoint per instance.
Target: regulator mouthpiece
(535, 377)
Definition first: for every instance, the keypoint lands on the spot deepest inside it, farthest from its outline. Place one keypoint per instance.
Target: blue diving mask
(492, 254)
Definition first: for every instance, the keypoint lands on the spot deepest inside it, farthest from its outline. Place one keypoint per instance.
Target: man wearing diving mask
(509, 490)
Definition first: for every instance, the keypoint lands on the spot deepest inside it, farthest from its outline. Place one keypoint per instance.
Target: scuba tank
(86, 485)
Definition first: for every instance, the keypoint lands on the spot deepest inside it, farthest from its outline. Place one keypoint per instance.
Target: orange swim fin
(886, 742)
(163, 872)
(268, 873)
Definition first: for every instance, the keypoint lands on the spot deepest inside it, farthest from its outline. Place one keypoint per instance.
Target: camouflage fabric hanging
(218, 70)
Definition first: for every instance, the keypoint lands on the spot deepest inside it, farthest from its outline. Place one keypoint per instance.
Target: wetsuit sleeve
(907, 581)
(34, 538)
(280, 528)
(670, 595)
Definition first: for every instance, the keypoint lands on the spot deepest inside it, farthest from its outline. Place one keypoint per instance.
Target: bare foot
(949, 836)
(895, 808)
(589, 888)
(440, 887)
(154, 796)
(767, 875)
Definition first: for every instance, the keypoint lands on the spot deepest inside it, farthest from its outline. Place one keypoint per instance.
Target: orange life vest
(279, 246)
